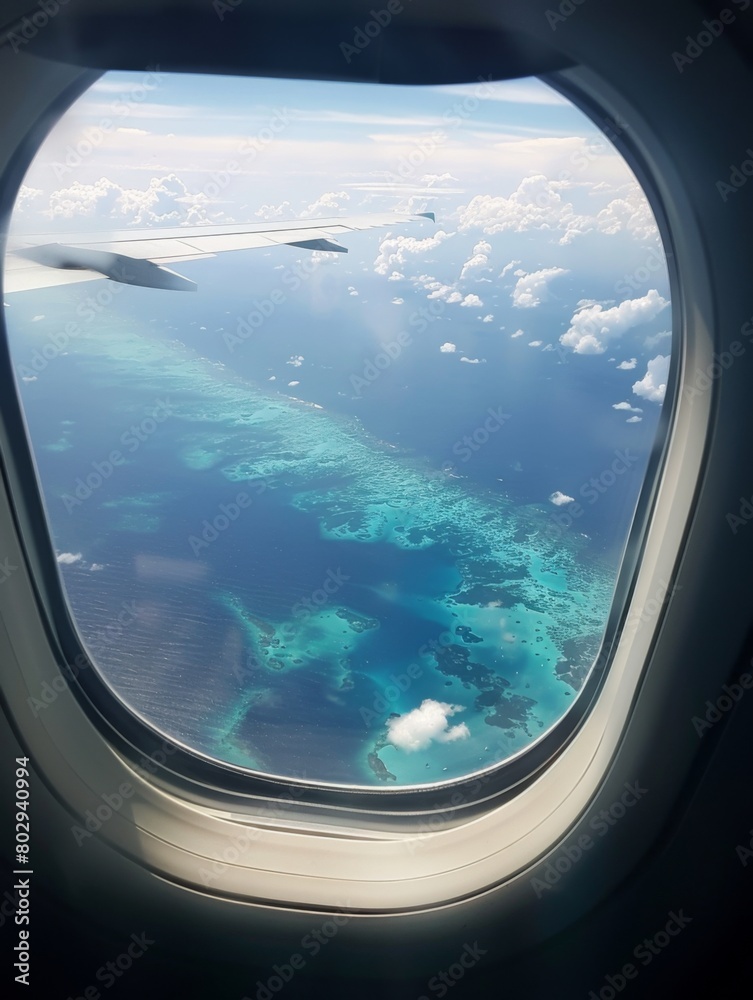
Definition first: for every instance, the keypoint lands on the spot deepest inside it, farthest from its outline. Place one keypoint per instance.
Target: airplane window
(354, 518)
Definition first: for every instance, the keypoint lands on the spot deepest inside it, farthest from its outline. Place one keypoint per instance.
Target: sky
(493, 160)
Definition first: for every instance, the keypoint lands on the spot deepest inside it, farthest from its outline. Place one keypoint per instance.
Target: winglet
(427, 215)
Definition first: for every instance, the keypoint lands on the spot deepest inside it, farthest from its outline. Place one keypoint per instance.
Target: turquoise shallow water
(357, 584)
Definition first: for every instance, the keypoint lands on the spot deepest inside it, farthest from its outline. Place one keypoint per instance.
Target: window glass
(349, 517)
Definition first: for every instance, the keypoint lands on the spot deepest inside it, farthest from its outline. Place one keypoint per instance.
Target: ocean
(292, 577)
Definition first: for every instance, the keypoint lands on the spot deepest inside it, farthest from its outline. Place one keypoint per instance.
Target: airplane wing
(138, 257)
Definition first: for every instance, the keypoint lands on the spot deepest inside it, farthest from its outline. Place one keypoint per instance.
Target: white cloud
(417, 729)
(656, 338)
(324, 257)
(36, 319)
(296, 360)
(518, 333)
(448, 348)
(509, 267)
(592, 327)
(395, 251)
(28, 202)
(165, 200)
(533, 289)
(633, 420)
(471, 300)
(439, 291)
(537, 203)
(558, 498)
(627, 366)
(488, 318)
(398, 301)
(327, 204)
(294, 383)
(432, 179)
(626, 406)
(473, 361)
(478, 259)
(535, 343)
(271, 212)
(653, 385)
(68, 558)
(631, 213)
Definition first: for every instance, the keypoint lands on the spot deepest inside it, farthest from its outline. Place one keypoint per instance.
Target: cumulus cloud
(653, 385)
(471, 300)
(592, 327)
(479, 259)
(398, 301)
(328, 204)
(558, 498)
(165, 200)
(631, 213)
(448, 348)
(537, 203)
(294, 383)
(518, 333)
(271, 212)
(626, 406)
(509, 267)
(627, 366)
(535, 343)
(68, 558)
(633, 420)
(473, 361)
(417, 729)
(29, 201)
(437, 290)
(296, 360)
(488, 318)
(396, 251)
(532, 289)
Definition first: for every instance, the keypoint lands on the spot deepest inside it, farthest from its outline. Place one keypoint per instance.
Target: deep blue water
(216, 650)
